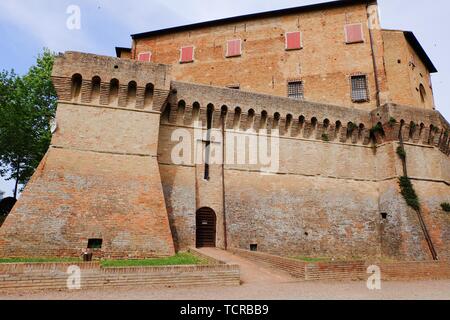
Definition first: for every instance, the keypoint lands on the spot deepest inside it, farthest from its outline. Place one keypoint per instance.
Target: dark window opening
(253, 247)
(77, 82)
(359, 89)
(296, 90)
(95, 243)
(209, 120)
(384, 215)
(234, 87)
(423, 93)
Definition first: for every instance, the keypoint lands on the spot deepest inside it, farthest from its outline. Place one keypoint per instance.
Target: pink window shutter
(145, 56)
(293, 40)
(354, 33)
(187, 54)
(234, 48)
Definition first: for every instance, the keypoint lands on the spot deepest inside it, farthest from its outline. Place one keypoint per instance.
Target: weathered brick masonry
(110, 172)
(100, 179)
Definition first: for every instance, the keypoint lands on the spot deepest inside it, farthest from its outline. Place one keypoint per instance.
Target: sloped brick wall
(100, 178)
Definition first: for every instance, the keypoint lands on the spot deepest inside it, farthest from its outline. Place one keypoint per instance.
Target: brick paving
(258, 282)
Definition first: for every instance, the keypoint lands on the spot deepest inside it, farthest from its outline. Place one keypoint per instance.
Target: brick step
(293, 268)
(128, 274)
(134, 278)
(123, 284)
(101, 283)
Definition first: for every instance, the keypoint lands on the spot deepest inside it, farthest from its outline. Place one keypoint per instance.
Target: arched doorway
(205, 228)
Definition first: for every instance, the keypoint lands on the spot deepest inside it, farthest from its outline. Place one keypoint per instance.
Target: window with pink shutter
(234, 48)
(145, 56)
(354, 33)
(187, 54)
(293, 40)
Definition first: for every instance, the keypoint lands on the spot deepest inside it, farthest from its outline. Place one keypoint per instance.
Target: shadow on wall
(6, 206)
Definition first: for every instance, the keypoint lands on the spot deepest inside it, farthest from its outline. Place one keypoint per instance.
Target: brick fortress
(343, 93)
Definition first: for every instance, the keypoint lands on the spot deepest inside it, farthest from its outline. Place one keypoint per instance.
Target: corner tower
(99, 183)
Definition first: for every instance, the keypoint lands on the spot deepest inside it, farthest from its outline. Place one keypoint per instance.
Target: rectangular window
(187, 54)
(293, 40)
(295, 90)
(354, 33)
(234, 48)
(95, 243)
(359, 89)
(145, 56)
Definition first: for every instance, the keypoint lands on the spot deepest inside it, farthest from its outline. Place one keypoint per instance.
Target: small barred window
(359, 89)
(295, 90)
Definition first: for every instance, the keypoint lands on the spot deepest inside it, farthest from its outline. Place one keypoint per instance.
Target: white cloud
(45, 22)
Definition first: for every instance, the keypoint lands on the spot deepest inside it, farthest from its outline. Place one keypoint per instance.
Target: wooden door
(206, 228)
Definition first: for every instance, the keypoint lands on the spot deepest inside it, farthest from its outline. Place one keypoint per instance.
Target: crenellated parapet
(413, 125)
(251, 112)
(244, 111)
(105, 81)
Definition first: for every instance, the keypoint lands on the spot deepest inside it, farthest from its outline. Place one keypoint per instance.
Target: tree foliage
(27, 105)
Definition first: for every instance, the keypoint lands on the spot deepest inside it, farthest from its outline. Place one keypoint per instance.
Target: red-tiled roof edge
(312, 7)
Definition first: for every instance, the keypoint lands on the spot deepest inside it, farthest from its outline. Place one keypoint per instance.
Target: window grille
(359, 89)
(295, 90)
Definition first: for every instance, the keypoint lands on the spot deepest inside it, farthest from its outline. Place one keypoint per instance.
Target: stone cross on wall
(204, 154)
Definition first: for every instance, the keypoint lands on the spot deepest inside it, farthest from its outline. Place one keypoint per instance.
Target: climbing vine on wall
(406, 186)
(409, 193)
(401, 152)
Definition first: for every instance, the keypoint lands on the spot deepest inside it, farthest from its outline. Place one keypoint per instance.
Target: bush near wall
(409, 193)
(445, 206)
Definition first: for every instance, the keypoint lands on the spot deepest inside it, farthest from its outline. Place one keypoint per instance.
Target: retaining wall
(351, 270)
(55, 276)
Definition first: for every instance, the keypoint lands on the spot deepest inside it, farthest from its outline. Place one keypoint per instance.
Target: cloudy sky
(26, 26)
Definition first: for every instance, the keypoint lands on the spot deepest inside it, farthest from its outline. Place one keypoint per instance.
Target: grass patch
(312, 259)
(183, 258)
(325, 137)
(392, 121)
(378, 128)
(39, 260)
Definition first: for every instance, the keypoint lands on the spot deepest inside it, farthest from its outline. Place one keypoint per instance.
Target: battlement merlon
(108, 104)
(242, 110)
(90, 79)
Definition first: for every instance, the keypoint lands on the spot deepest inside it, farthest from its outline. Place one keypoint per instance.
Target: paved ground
(259, 283)
(251, 273)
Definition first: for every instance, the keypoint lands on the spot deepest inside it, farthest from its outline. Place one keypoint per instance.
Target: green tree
(27, 105)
